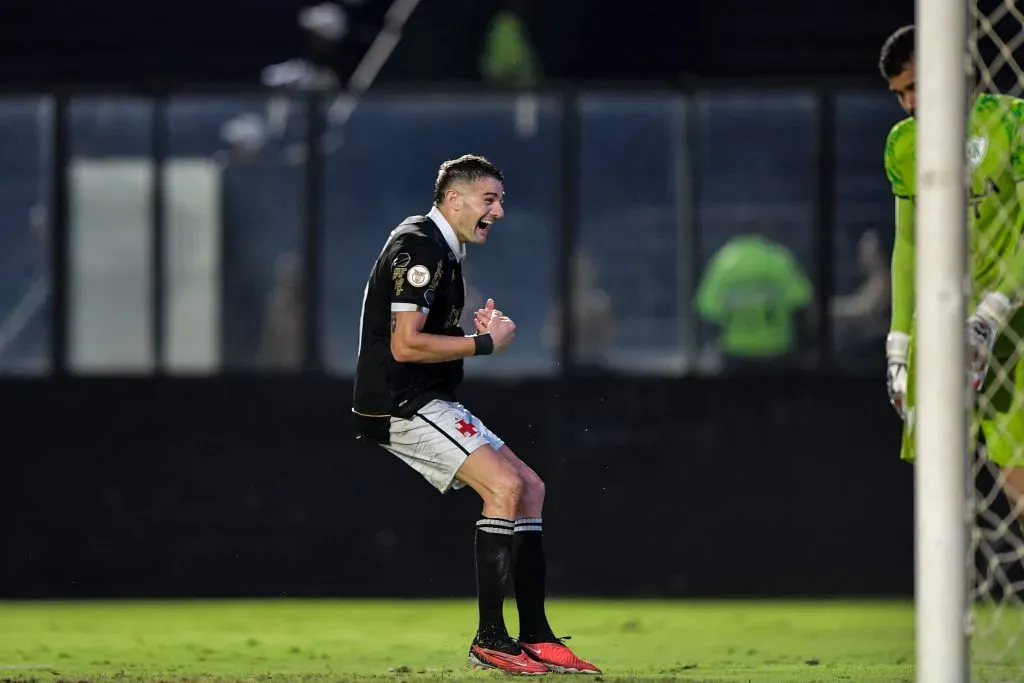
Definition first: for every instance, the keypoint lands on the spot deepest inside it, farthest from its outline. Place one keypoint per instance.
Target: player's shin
(493, 571)
(528, 571)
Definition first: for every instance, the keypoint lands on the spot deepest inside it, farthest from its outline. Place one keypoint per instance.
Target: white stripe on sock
(494, 521)
(529, 524)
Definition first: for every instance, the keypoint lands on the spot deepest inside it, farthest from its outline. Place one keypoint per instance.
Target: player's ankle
(496, 638)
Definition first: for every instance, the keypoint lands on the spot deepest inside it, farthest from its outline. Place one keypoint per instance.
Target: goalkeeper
(995, 328)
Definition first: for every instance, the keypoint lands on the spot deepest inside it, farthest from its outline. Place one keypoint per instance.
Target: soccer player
(995, 152)
(411, 353)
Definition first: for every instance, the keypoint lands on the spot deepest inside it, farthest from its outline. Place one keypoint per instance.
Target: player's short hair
(897, 52)
(467, 168)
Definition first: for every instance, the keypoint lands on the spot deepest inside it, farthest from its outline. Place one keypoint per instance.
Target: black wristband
(484, 344)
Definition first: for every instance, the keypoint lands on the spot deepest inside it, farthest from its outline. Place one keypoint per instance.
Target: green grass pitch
(353, 640)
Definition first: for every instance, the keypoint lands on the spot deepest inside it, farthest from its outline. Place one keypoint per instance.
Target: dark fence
(668, 473)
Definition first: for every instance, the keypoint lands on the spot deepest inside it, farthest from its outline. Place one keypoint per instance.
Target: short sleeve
(797, 288)
(900, 162)
(416, 271)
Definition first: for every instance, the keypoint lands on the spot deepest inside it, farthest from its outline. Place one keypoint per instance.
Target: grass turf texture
(330, 640)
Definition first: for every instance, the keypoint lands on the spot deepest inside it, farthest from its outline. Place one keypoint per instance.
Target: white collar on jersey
(458, 248)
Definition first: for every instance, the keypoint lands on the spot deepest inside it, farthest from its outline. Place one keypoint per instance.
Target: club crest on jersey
(977, 147)
(418, 276)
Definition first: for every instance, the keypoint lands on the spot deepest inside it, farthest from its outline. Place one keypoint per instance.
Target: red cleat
(559, 658)
(519, 663)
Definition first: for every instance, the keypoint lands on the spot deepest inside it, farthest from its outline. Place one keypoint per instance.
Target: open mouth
(483, 225)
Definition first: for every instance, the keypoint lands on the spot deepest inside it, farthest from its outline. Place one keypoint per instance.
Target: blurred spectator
(861, 318)
(509, 60)
(325, 25)
(509, 57)
(756, 295)
(281, 345)
(245, 135)
(592, 317)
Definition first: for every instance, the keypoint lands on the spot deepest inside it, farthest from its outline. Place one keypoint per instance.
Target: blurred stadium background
(180, 282)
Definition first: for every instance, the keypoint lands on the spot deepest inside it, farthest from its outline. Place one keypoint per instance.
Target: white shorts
(438, 439)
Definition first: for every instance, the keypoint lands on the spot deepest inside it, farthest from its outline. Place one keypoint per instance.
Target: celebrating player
(410, 364)
(995, 152)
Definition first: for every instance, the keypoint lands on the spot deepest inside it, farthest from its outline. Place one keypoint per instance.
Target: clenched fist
(502, 331)
(483, 316)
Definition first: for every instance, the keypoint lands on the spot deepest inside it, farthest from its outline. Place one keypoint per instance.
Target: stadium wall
(256, 487)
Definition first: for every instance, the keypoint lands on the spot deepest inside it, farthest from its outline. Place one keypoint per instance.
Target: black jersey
(416, 271)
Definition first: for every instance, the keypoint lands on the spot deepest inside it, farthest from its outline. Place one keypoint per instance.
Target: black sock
(528, 571)
(493, 571)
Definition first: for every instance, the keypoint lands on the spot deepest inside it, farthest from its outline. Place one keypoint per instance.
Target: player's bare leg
(529, 575)
(498, 484)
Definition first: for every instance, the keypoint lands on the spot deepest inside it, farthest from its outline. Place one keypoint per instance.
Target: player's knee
(505, 492)
(533, 490)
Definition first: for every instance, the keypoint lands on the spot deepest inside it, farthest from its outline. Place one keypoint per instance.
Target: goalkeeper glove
(897, 346)
(983, 327)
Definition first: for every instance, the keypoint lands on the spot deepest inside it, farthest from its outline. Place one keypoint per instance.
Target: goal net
(995, 562)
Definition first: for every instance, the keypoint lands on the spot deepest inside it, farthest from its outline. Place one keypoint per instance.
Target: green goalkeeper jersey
(995, 153)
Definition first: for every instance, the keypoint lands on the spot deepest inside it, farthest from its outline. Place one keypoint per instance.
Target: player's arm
(900, 169)
(902, 268)
(410, 344)
(417, 272)
(897, 342)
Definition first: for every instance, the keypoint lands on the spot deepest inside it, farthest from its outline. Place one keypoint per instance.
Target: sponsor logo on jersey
(977, 147)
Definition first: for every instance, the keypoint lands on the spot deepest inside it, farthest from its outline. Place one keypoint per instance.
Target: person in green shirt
(995, 328)
(508, 56)
(751, 290)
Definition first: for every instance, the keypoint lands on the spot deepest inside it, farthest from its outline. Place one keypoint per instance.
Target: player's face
(478, 206)
(902, 85)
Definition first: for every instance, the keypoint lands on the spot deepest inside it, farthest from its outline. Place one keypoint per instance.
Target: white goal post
(969, 536)
(940, 416)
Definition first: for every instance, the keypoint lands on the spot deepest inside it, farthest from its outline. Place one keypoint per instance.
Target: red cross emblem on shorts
(465, 428)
